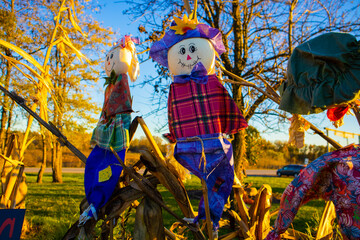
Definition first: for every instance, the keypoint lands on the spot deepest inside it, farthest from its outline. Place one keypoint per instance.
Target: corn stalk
(59, 38)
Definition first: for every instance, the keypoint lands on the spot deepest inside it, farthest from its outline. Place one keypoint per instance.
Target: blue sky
(111, 16)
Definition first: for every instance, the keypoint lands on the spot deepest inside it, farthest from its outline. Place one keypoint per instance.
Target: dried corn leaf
(72, 4)
(74, 49)
(60, 46)
(19, 69)
(22, 53)
(9, 181)
(62, 9)
(28, 143)
(42, 80)
(148, 221)
(243, 210)
(294, 234)
(75, 25)
(325, 229)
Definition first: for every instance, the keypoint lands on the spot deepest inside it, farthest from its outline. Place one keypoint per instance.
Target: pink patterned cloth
(334, 176)
(198, 109)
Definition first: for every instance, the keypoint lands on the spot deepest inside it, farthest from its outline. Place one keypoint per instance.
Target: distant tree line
(261, 153)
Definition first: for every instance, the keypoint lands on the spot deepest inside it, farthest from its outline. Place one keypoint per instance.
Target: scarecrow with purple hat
(102, 170)
(200, 110)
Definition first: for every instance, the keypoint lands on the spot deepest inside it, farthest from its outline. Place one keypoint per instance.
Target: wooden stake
(111, 229)
(51, 127)
(187, 6)
(207, 209)
(154, 146)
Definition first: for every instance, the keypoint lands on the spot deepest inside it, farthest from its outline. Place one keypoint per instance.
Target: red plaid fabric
(199, 109)
(117, 98)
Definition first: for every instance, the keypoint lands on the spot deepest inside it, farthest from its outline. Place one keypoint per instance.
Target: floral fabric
(334, 176)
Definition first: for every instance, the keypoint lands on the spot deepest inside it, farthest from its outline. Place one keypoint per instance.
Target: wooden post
(154, 146)
(207, 209)
(327, 143)
(49, 126)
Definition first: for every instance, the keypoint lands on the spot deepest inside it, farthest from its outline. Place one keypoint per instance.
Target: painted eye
(107, 59)
(111, 56)
(192, 48)
(182, 51)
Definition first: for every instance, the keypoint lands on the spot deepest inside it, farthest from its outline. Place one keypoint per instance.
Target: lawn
(52, 208)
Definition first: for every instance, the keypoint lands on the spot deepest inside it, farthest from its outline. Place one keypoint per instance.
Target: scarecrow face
(119, 60)
(184, 55)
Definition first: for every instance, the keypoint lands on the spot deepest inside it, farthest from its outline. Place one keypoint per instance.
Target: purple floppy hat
(159, 50)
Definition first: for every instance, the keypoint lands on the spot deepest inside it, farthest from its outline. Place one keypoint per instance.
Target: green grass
(52, 208)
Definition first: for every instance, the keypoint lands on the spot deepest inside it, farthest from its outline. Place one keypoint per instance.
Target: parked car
(290, 170)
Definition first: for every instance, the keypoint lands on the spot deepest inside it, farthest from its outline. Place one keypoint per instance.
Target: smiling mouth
(191, 65)
(111, 68)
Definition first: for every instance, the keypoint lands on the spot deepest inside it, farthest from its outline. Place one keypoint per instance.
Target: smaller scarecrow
(200, 110)
(102, 169)
(324, 73)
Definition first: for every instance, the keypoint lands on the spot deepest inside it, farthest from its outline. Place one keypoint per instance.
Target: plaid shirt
(113, 126)
(198, 109)
(114, 133)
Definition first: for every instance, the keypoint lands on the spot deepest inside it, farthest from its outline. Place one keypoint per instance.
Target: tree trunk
(239, 143)
(57, 163)
(43, 164)
(239, 149)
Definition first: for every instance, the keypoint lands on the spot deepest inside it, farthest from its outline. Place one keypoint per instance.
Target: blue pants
(102, 172)
(218, 173)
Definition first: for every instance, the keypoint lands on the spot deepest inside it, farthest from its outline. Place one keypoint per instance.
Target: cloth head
(181, 29)
(122, 58)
